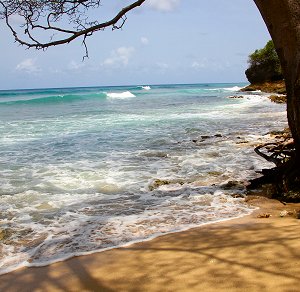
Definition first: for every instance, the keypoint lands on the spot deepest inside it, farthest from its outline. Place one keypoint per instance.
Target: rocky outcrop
(262, 73)
(276, 87)
(278, 98)
(268, 86)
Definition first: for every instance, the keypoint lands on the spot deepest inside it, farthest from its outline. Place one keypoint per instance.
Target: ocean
(88, 169)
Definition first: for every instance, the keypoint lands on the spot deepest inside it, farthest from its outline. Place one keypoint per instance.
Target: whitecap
(120, 95)
(146, 87)
(234, 88)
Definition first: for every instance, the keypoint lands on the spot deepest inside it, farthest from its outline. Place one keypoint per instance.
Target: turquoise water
(79, 166)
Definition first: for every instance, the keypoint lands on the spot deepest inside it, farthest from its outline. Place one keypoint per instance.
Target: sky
(162, 42)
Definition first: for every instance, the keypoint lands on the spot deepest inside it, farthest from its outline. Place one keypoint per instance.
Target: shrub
(264, 65)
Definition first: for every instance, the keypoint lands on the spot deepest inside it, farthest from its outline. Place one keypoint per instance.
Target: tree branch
(33, 12)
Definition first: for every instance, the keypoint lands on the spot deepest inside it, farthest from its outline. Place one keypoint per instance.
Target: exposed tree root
(281, 152)
(285, 177)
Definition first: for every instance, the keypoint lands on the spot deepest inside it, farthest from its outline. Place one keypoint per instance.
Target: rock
(215, 173)
(5, 234)
(269, 87)
(160, 182)
(204, 137)
(242, 142)
(290, 196)
(233, 185)
(238, 196)
(157, 183)
(261, 73)
(278, 98)
(283, 213)
(235, 96)
(264, 215)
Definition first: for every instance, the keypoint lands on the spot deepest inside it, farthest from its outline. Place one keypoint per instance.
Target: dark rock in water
(276, 133)
(205, 137)
(278, 98)
(242, 142)
(215, 173)
(235, 96)
(157, 183)
(237, 196)
(5, 234)
(160, 182)
(233, 185)
(285, 134)
(156, 154)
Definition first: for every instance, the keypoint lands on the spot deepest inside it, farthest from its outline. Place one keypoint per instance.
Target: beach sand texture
(245, 254)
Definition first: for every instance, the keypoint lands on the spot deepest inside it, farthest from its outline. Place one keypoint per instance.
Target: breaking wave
(120, 95)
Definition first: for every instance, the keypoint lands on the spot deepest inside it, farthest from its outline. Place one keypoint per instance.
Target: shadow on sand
(249, 256)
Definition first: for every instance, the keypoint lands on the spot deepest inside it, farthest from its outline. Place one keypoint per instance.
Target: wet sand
(245, 254)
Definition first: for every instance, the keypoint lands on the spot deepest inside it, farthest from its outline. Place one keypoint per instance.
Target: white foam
(234, 88)
(120, 95)
(85, 230)
(146, 87)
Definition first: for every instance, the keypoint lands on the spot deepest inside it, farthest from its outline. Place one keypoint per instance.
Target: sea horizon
(120, 86)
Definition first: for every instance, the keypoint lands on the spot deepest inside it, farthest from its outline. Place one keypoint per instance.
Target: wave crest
(120, 95)
(234, 88)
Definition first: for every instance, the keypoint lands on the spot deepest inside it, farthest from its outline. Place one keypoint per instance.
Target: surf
(120, 95)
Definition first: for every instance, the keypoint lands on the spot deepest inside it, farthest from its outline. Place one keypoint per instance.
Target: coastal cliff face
(258, 74)
(264, 65)
(282, 18)
(265, 72)
(277, 87)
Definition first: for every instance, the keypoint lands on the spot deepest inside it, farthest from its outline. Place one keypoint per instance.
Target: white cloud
(119, 57)
(211, 64)
(73, 65)
(28, 66)
(144, 41)
(163, 5)
(198, 65)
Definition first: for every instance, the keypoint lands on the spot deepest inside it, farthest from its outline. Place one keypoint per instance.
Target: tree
(61, 21)
(264, 65)
(282, 18)
(66, 20)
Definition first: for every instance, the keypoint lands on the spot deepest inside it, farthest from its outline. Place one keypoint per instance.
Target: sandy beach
(245, 254)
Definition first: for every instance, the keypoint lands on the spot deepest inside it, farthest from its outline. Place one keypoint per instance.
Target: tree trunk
(282, 18)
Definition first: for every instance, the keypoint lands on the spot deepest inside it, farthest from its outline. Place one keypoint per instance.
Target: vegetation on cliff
(265, 74)
(264, 65)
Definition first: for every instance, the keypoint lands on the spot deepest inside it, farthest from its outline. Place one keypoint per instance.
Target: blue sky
(164, 41)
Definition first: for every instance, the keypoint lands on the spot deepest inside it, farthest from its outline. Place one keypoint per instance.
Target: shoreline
(152, 264)
(124, 245)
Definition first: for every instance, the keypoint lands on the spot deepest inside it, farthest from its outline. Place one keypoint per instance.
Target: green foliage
(266, 56)
(264, 65)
